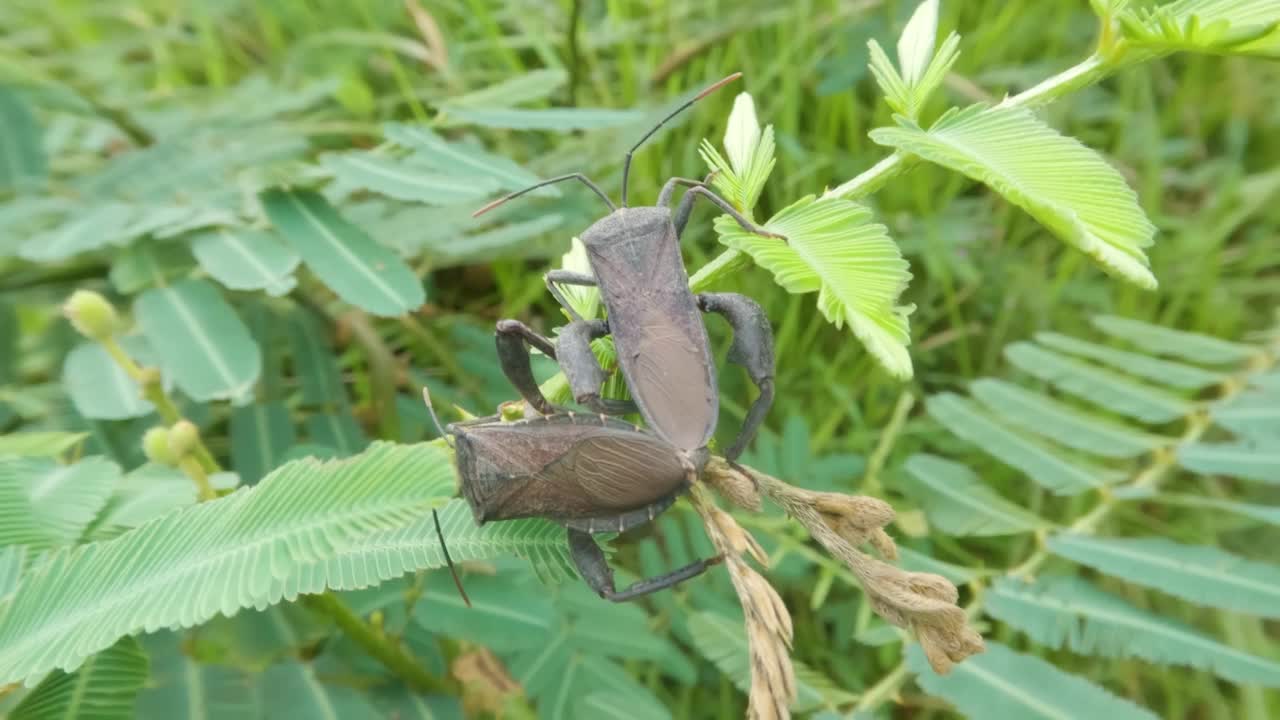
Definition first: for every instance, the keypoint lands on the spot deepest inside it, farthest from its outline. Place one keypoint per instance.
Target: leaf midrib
(343, 251)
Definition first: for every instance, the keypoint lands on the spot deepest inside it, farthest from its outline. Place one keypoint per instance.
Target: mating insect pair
(591, 472)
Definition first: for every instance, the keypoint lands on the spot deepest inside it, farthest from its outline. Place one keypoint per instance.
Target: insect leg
(595, 570)
(583, 371)
(512, 340)
(732, 212)
(752, 349)
(567, 277)
(686, 203)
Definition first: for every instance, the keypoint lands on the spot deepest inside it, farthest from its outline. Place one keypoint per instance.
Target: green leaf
(556, 119)
(1059, 181)
(44, 443)
(261, 434)
(1000, 683)
(104, 688)
(959, 504)
(920, 562)
(313, 362)
(99, 388)
(1189, 346)
(339, 431)
(1046, 468)
(915, 45)
(1053, 420)
(23, 165)
(1216, 26)
(1253, 414)
(247, 260)
(1200, 574)
(64, 499)
(607, 705)
(294, 691)
(741, 178)
(148, 264)
(13, 560)
(467, 158)
(408, 179)
(1069, 612)
(18, 524)
(515, 89)
(833, 248)
(1247, 461)
(503, 240)
(218, 556)
(359, 270)
(199, 340)
(723, 641)
(1161, 372)
(105, 224)
(492, 620)
(179, 685)
(1106, 389)
(141, 496)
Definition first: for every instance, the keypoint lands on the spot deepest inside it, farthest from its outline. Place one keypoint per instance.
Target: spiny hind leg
(582, 369)
(512, 339)
(752, 349)
(595, 570)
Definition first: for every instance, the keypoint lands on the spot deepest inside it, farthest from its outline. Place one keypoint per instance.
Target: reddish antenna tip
(490, 206)
(718, 85)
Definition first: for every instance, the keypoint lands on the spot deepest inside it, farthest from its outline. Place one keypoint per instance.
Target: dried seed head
(739, 540)
(734, 484)
(91, 314)
(486, 684)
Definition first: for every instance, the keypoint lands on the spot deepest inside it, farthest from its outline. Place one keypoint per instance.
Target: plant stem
(1085, 73)
(152, 386)
(191, 466)
(377, 644)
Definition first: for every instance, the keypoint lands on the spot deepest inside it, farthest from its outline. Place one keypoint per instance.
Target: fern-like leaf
(105, 687)
(834, 248)
(959, 504)
(1070, 612)
(1062, 183)
(1214, 26)
(1193, 347)
(1200, 574)
(178, 684)
(1001, 683)
(1044, 466)
(219, 556)
(1055, 421)
(1162, 372)
(1104, 388)
(1245, 460)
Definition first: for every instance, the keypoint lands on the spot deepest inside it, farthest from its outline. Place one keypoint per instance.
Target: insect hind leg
(512, 339)
(595, 570)
(752, 349)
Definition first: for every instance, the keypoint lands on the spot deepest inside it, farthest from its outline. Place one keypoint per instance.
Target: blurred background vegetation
(1198, 137)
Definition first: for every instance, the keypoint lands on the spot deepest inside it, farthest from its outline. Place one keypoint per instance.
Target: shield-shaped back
(564, 467)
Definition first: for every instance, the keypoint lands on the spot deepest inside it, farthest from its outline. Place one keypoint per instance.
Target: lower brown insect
(591, 473)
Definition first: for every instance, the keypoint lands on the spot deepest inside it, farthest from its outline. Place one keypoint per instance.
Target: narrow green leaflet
(1062, 183)
(13, 560)
(295, 691)
(607, 705)
(1062, 424)
(106, 224)
(554, 119)
(506, 240)
(959, 504)
(1200, 574)
(179, 684)
(1161, 372)
(339, 431)
(723, 641)
(408, 179)
(1192, 347)
(1216, 26)
(1070, 612)
(493, 620)
(834, 248)
(40, 443)
(1001, 684)
(313, 362)
(1245, 460)
(1044, 466)
(515, 89)
(468, 158)
(66, 498)
(105, 687)
(1103, 388)
(246, 259)
(99, 388)
(140, 497)
(261, 434)
(1253, 414)
(18, 524)
(218, 556)
(199, 340)
(148, 264)
(359, 270)
(23, 165)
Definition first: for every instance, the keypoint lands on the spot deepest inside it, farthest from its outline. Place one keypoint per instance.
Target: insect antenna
(571, 176)
(435, 517)
(626, 162)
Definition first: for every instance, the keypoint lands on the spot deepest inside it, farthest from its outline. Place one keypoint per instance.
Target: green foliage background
(237, 99)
